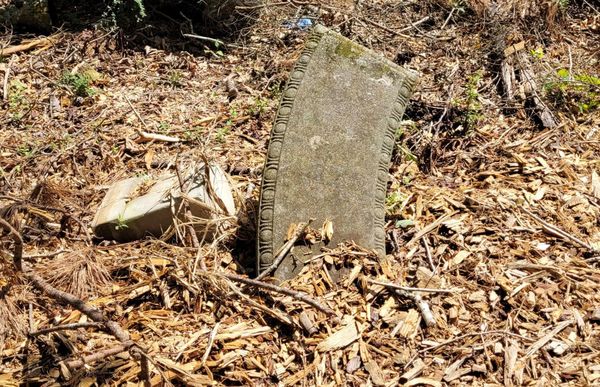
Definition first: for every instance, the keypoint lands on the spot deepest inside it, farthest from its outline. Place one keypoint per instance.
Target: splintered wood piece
(340, 339)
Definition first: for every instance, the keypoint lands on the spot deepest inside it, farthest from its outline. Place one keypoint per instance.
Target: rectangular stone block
(330, 147)
(139, 206)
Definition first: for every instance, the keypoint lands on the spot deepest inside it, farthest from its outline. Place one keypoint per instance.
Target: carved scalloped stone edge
(392, 124)
(267, 197)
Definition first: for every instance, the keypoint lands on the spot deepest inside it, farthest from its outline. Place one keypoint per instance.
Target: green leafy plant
(121, 223)
(473, 113)
(126, 14)
(164, 127)
(538, 53)
(175, 79)
(80, 84)
(25, 151)
(259, 107)
(17, 101)
(577, 92)
(223, 131)
(562, 4)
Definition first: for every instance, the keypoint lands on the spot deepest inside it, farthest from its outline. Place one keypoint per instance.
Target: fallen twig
(5, 83)
(78, 363)
(421, 304)
(458, 338)
(47, 41)
(148, 137)
(410, 289)
(547, 337)
(46, 255)
(557, 232)
(66, 327)
(66, 298)
(211, 341)
(283, 318)
(289, 292)
(430, 227)
(385, 28)
(428, 253)
(206, 39)
(283, 251)
(18, 240)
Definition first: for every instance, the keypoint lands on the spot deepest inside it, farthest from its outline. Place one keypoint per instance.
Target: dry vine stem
(93, 313)
(289, 292)
(557, 232)
(283, 251)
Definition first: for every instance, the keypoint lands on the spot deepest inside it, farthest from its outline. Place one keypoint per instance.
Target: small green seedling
(80, 84)
(121, 223)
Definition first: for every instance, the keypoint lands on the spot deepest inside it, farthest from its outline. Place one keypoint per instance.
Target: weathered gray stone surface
(331, 146)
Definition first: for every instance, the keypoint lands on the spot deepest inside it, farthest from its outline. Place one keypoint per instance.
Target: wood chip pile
(492, 274)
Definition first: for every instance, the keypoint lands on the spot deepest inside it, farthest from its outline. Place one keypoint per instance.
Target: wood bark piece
(340, 339)
(416, 370)
(330, 147)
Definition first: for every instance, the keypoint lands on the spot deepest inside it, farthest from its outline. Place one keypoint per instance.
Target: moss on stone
(348, 49)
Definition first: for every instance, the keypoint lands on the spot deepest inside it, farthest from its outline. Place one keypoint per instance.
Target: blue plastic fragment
(302, 24)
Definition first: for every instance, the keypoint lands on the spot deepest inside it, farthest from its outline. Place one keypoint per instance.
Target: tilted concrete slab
(330, 147)
(139, 206)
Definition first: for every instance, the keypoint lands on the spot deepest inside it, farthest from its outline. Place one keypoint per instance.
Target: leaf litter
(503, 213)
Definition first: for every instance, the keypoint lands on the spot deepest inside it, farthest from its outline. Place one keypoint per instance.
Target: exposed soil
(484, 202)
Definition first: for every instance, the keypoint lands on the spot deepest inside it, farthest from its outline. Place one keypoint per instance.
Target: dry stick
(458, 338)
(428, 253)
(415, 24)
(283, 251)
(136, 113)
(429, 228)
(78, 363)
(5, 84)
(93, 313)
(211, 341)
(65, 327)
(448, 18)
(546, 338)
(18, 250)
(391, 31)
(205, 38)
(409, 289)
(26, 46)
(46, 255)
(292, 293)
(421, 304)
(557, 231)
(283, 318)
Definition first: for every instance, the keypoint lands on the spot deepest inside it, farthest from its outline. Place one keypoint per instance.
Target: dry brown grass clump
(81, 273)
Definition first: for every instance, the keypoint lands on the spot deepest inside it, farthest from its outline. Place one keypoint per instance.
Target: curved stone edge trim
(392, 124)
(267, 196)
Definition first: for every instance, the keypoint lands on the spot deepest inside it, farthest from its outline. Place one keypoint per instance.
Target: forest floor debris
(482, 198)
